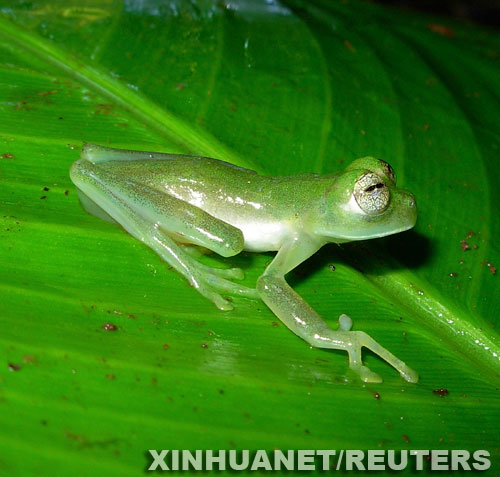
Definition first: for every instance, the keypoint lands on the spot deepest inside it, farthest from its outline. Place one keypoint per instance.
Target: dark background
(485, 12)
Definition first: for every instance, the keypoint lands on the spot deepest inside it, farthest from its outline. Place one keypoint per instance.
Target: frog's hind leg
(150, 215)
(93, 209)
(97, 154)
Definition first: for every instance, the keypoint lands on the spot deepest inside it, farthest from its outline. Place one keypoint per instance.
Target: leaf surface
(282, 88)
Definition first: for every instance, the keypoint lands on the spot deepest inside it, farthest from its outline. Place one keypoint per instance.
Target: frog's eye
(371, 194)
(388, 170)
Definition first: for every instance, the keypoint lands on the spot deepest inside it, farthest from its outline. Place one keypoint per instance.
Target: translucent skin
(167, 199)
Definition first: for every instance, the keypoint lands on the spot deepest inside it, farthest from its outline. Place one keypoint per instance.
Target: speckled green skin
(167, 199)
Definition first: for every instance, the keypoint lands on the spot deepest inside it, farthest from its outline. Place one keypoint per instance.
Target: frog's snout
(411, 207)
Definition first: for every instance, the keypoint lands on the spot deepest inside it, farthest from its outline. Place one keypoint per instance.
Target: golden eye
(371, 194)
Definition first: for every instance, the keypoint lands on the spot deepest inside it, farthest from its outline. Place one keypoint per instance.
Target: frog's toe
(227, 286)
(237, 273)
(345, 322)
(220, 302)
(193, 250)
(366, 374)
(231, 273)
(409, 375)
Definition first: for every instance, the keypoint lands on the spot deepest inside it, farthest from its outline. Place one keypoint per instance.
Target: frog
(179, 204)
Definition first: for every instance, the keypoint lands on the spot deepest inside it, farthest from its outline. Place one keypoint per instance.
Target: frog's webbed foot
(195, 252)
(210, 282)
(355, 340)
(355, 363)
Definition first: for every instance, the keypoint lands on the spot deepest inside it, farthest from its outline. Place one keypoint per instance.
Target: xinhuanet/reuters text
(320, 459)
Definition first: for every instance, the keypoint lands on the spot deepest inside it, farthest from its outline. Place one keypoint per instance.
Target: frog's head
(363, 202)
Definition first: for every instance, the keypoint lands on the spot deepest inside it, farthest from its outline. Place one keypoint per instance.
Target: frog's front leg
(299, 317)
(152, 217)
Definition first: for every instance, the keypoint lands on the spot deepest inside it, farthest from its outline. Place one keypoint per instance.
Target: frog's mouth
(401, 217)
(339, 238)
(388, 232)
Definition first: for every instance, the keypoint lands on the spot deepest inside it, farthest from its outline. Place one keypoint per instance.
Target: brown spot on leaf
(349, 46)
(109, 327)
(46, 93)
(441, 392)
(104, 109)
(441, 29)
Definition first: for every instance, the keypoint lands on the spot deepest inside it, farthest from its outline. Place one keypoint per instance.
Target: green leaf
(282, 88)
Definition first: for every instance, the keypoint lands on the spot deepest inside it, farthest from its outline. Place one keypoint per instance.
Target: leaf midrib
(144, 110)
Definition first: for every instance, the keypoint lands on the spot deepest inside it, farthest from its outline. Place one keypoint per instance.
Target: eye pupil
(374, 186)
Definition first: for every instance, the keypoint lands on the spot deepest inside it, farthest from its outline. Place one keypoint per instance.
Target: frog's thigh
(205, 280)
(175, 216)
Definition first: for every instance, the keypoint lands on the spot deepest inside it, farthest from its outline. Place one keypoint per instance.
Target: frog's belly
(263, 237)
(264, 233)
(258, 236)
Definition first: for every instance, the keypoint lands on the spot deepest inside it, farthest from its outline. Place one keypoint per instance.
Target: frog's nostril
(411, 200)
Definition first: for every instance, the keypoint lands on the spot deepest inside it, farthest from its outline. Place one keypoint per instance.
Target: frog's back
(260, 206)
(238, 196)
(172, 170)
